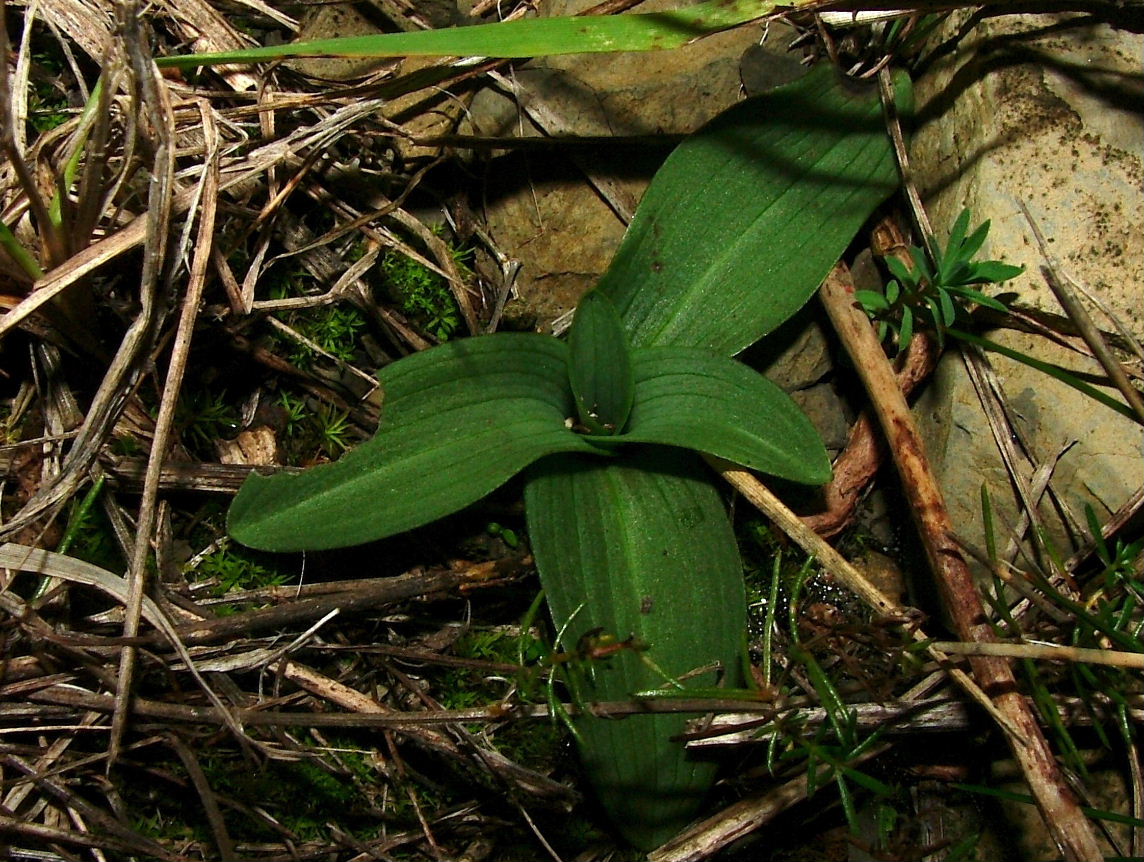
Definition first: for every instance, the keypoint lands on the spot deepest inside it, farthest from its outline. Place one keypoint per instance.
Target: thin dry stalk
(206, 796)
(1070, 829)
(909, 715)
(1123, 516)
(1004, 432)
(151, 95)
(64, 796)
(10, 123)
(1046, 652)
(709, 836)
(759, 496)
(1136, 774)
(70, 838)
(1089, 331)
(864, 453)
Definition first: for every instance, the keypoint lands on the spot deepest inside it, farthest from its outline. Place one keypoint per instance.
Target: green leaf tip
(749, 214)
(692, 399)
(532, 37)
(458, 421)
(599, 366)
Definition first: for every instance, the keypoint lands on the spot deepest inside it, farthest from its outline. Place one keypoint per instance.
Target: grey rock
(540, 209)
(1029, 109)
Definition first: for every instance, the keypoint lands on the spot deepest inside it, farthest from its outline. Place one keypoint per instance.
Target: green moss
(237, 568)
(302, 795)
(202, 417)
(336, 329)
(312, 431)
(424, 295)
(47, 103)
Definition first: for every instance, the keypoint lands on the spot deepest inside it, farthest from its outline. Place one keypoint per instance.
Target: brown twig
(758, 495)
(1046, 652)
(1069, 827)
(905, 716)
(744, 817)
(371, 594)
(862, 458)
(206, 796)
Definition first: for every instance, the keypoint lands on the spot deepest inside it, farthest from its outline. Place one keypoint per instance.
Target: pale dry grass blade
(1045, 652)
(159, 130)
(763, 499)
(49, 564)
(89, 23)
(1085, 324)
(206, 30)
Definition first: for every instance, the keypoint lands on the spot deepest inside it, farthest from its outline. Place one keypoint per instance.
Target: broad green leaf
(639, 547)
(458, 421)
(531, 37)
(689, 398)
(599, 366)
(747, 216)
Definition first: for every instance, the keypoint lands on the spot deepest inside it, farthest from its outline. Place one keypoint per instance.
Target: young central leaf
(599, 366)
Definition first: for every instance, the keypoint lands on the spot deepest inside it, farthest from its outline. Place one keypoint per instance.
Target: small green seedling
(939, 292)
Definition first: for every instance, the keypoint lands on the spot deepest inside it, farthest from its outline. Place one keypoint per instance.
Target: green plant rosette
(630, 535)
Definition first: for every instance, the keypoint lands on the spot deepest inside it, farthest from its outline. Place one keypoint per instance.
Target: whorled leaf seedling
(462, 418)
(940, 292)
(602, 429)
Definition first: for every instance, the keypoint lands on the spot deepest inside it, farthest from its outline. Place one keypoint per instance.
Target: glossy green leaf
(639, 547)
(531, 37)
(599, 366)
(747, 216)
(692, 399)
(458, 421)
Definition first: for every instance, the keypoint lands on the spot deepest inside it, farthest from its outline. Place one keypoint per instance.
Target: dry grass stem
(1085, 324)
(742, 818)
(840, 568)
(1045, 652)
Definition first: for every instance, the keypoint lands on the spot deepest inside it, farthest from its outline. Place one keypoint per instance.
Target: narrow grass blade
(19, 254)
(639, 547)
(458, 421)
(1054, 371)
(531, 37)
(792, 175)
